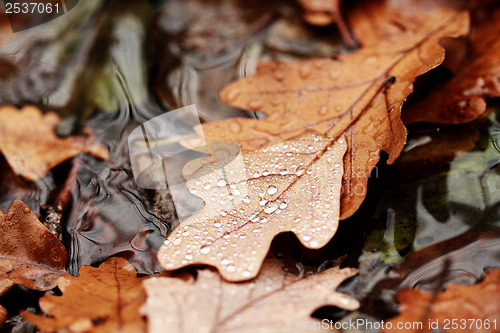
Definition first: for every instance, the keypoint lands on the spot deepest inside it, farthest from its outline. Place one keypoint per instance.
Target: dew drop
(207, 186)
(225, 262)
(283, 205)
(256, 174)
(231, 268)
(306, 238)
(27, 210)
(217, 224)
(233, 94)
(323, 111)
(271, 207)
(265, 173)
(255, 104)
(177, 242)
(300, 170)
(262, 202)
(205, 249)
(221, 182)
(246, 274)
(235, 127)
(304, 71)
(188, 257)
(9, 216)
(272, 189)
(246, 200)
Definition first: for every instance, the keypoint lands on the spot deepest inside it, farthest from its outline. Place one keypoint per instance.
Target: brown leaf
(104, 299)
(469, 306)
(30, 145)
(30, 255)
(356, 100)
(272, 302)
(3, 315)
(461, 99)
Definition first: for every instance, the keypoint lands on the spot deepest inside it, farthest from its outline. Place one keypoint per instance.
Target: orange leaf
(30, 255)
(104, 299)
(317, 109)
(273, 302)
(30, 145)
(461, 99)
(471, 307)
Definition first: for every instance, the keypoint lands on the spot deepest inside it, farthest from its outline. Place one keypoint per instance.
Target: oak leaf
(104, 299)
(30, 145)
(315, 110)
(30, 255)
(471, 307)
(272, 302)
(461, 99)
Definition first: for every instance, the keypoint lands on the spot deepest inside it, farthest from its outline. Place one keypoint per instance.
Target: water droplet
(177, 242)
(233, 94)
(27, 210)
(283, 205)
(304, 71)
(236, 192)
(256, 174)
(246, 200)
(255, 104)
(300, 170)
(271, 207)
(188, 257)
(207, 186)
(323, 111)
(246, 274)
(265, 173)
(262, 202)
(205, 249)
(314, 243)
(272, 189)
(225, 262)
(223, 213)
(306, 238)
(283, 172)
(217, 224)
(226, 235)
(9, 216)
(221, 182)
(235, 127)
(231, 268)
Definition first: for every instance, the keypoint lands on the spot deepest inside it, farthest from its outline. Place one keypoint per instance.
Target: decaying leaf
(272, 302)
(30, 145)
(30, 255)
(472, 308)
(104, 299)
(461, 99)
(352, 104)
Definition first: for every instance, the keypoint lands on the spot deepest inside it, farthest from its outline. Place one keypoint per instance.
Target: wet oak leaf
(461, 99)
(104, 299)
(355, 100)
(464, 304)
(32, 148)
(272, 302)
(30, 255)
(250, 200)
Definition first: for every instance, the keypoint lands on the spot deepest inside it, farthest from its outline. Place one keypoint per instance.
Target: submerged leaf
(30, 255)
(472, 308)
(104, 299)
(30, 145)
(275, 301)
(352, 104)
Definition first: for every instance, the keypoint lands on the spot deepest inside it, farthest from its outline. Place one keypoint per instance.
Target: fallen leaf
(352, 104)
(30, 145)
(3, 315)
(104, 299)
(272, 302)
(472, 308)
(461, 99)
(30, 255)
